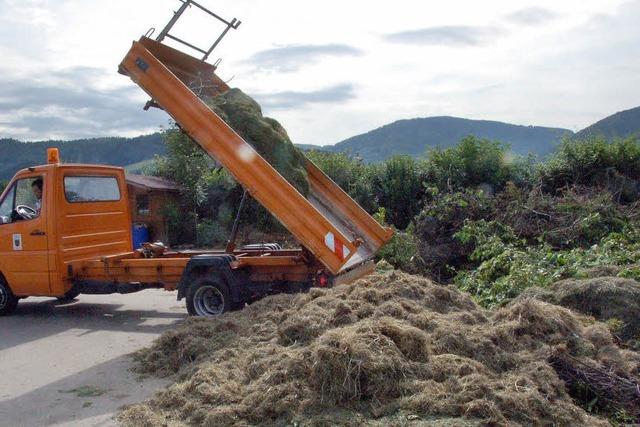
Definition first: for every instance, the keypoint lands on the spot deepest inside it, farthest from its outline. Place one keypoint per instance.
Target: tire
(70, 295)
(8, 301)
(207, 298)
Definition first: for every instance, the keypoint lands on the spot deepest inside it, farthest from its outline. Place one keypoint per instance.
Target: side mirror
(4, 220)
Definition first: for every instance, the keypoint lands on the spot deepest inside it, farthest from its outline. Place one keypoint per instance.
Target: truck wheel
(8, 301)
(70, 295)
(207, 298)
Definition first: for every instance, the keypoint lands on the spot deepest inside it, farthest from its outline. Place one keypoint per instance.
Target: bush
(576, 217)
(595, 162)
(401, 251)
(507, 265)
(186, 164)
(211, 233)
(181, 224)
(476, 162)
(443, 215)
(398, 186)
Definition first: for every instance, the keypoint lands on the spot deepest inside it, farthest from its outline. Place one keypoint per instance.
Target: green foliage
(595, 162)
(210, 195)
(442, 216)
(351, 174)
(181, 224)
(401, 251)
(395, 185)
(211, 233)
(188, 165)
(507, 265)
(3, 184)
(475, 162)
(577, 217)
(398, 186)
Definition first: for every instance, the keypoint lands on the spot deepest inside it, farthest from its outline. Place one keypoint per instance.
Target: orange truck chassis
(66, 229)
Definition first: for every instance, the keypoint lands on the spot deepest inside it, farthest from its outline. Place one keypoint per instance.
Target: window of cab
(82, 189)
(23, 200)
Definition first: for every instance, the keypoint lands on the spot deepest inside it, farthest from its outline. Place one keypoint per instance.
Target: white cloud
(332, 75)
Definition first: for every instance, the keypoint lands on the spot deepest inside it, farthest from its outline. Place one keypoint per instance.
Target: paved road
(68, 364)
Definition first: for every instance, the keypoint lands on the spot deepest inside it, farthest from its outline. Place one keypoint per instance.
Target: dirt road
(68, 364)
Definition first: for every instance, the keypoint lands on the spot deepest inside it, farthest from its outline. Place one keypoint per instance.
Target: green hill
(618, 125)
(415, 136)
(16, 155)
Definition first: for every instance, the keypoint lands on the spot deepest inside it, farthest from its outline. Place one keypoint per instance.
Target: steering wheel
(26, 212)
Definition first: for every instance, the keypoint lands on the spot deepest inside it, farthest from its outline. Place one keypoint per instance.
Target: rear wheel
(207, 298)
(8, 301)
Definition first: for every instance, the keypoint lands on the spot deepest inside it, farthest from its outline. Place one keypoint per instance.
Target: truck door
(23, 236)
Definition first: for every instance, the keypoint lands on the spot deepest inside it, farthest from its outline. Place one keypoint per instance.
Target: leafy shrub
(186, 164)
(596, 162)
(401, 251)
(474, 162)
(576, 217)
(398, 186)
(181, 224)
(507, 265)
(211, 233)
(443, 215)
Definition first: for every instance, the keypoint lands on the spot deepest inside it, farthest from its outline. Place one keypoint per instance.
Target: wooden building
(148, 196)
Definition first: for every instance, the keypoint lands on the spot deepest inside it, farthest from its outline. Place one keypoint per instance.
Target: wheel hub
(209, 301)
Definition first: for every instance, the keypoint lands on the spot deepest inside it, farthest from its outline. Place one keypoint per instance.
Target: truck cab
(55, 214)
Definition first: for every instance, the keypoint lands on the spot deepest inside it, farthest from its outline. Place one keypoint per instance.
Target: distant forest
(16, 155)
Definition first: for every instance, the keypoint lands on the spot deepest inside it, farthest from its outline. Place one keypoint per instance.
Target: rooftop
(152, 182)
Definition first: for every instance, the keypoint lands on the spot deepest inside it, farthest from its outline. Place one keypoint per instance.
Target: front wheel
(8, 301)
(207, 298)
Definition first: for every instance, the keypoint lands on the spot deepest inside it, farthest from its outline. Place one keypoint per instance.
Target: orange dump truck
(65, 229)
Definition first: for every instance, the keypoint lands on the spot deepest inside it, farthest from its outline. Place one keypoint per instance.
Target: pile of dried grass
(605, 298)
(385, 350)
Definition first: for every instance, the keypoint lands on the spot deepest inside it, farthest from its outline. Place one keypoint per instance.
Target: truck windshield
(7, 206)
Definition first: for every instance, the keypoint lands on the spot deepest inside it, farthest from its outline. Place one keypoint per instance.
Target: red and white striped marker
(336, 246)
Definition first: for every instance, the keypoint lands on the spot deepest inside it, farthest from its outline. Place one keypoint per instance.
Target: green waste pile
(265, 134)
(391, 349)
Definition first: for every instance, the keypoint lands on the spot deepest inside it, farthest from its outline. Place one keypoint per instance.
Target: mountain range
(620, 125)
(413, 137)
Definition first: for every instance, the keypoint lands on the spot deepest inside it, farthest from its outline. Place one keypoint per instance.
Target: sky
(327, 70)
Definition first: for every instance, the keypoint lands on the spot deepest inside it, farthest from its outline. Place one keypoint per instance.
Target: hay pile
(392, 349)
(605, 298)
(265, 134)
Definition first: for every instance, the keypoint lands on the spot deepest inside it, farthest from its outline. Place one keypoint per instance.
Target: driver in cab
(36, 187)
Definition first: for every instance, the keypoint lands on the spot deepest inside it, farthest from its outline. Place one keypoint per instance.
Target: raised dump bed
(328, 223)
(66, 229)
